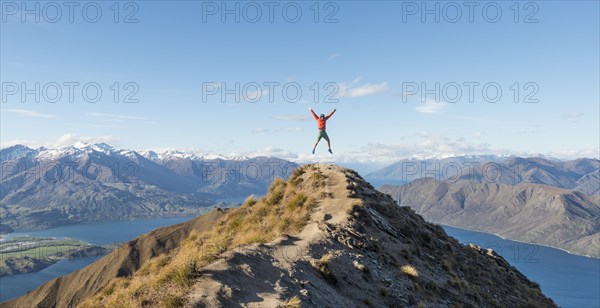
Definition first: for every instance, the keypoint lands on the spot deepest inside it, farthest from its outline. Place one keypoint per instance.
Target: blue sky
(369, 54)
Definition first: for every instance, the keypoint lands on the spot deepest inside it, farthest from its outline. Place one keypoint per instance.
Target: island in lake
(30, 254)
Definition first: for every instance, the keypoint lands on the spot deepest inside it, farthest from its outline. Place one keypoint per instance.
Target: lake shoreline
(570, 280)
(519, 241)
(96, 233)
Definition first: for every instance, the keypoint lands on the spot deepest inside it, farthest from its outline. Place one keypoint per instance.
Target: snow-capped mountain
(15, 152)
(44, 187)
(168, 155)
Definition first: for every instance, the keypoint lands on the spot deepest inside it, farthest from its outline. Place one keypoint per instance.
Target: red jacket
(321, 123)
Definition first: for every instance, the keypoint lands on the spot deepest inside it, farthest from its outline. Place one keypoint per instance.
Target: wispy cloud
(431, 107)
(28, 113)
(527, 132)
(572, 154)
(572, 117)
(279, 130)
(292, 117)
(71, 138)
(334, 56)
(260, 130)
(118, 117)
(352, 89)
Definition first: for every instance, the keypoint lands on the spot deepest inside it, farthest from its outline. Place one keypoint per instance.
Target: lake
(96, 233)
(570, 280)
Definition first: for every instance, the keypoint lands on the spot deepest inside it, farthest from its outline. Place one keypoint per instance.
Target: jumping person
(321, 121)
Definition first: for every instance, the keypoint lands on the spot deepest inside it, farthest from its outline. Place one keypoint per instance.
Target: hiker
(321, 120)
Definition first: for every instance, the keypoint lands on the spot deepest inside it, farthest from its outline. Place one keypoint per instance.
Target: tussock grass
(318, 179)
(165, 280)
(296, 176)
(293, 302)
(409, 271)
(323, 266)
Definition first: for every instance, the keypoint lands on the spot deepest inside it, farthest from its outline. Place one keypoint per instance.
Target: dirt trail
(332, 210)
(284, 253)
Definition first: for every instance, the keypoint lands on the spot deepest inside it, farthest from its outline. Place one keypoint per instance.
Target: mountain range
(45, 187)
(580, 174)
(324, 238)
(537, 200)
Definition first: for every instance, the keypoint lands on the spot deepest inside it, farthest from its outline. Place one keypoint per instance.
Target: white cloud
(335, 55)
(116, 117)
(352, 89)
(527, 132)
(424, 145)
(430, 106)
(572, 117)
(292, 117)
(70, 139)
(260, 130)
(573, 154)
(272, 151)
(28, 113)
(475, 119)
(279, 130)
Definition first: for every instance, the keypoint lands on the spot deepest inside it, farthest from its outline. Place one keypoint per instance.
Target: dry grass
(323, 266)
(409, 271)
(165, 280)
(359, 266)
(293, 302)
(318, 179)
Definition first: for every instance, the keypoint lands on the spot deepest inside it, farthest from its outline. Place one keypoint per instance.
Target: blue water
(569, 280)
(97, 233)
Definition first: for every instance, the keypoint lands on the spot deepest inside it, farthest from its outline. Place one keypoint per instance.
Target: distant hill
(47, 187)
(535, 213)
(407, 170)
(324, 238)
(579, 174)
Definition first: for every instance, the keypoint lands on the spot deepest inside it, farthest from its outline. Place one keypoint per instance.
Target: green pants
(322, 134)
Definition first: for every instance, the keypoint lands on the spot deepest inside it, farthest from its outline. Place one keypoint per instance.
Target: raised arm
(329, 116)
(313, 113)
